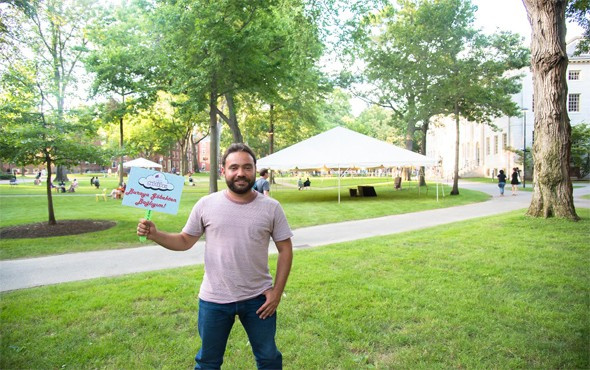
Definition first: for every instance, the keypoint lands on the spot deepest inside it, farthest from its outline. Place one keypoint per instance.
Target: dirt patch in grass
(62, 228)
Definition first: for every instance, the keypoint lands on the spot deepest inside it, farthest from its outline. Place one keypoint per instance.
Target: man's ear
(223, 171)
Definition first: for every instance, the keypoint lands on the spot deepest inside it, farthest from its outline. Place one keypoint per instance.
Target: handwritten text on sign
(153, 190)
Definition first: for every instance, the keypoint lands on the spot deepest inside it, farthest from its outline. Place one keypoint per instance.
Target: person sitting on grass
(73, 186)
(118, 192)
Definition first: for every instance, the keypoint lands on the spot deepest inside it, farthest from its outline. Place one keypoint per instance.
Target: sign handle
(148, 216)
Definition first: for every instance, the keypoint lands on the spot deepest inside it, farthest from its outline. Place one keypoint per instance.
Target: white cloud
(156, 182)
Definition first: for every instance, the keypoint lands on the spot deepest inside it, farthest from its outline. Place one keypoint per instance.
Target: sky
(509, 15)
(493, 15)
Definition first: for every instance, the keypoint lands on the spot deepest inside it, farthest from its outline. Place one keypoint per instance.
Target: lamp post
(524, 110)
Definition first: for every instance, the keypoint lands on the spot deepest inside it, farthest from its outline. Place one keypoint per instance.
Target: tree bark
(232, 122)
(51, 213)
(423, 150)
(455, 190)
(410, 131)
(552, 187)
(213, 160)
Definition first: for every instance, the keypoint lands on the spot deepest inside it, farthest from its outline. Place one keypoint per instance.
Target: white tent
(342, 148)
(142, 162)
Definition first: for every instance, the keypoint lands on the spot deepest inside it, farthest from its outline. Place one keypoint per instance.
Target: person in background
(514, 180)
(73, 186)
(306, 184)
(262, 185)
(501, 182)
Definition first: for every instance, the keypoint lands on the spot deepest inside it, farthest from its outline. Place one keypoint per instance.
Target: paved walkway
(31, 272)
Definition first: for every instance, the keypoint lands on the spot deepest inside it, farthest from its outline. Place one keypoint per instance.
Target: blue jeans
(215, 323)
(501, 185)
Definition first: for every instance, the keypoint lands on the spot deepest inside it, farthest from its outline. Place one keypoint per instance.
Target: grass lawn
(502, 292)
(26, 203)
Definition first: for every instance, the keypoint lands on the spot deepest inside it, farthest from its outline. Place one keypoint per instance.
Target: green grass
(492, 293)
(27, 203)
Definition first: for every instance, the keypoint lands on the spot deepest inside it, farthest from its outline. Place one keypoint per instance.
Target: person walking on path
(514, 181)
(501, 182)
(262, 184)
(238, 224)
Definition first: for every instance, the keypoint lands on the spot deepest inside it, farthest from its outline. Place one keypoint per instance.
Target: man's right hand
(146, 228)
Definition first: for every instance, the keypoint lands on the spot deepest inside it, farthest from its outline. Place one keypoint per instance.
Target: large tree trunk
(233, 119)
(423, 150)
(213, 160)
(552, 192)
(410, 131)
(455, 190)
(61, 174)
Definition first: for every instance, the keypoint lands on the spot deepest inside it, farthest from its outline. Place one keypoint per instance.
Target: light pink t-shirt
(236, 247)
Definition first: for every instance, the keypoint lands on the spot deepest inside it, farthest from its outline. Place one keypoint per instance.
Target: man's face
(239, 172)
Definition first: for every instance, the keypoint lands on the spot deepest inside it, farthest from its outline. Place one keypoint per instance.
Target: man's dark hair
(237, 147)
(263, 172)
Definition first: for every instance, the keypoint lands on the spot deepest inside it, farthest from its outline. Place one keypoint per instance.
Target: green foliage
(580, 149)
(577, 11)
(418, 66)
(379, 123)
(30, 136)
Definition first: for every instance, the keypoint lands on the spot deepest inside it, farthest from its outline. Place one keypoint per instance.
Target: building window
(573, 103)
(504, 140)
(496, 144)
(487, 146)
(573, 75)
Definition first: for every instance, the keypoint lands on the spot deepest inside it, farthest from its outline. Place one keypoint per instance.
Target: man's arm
(173, 241)
(273, 296)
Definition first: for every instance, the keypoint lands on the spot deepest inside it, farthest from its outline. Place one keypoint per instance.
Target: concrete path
(31, 272)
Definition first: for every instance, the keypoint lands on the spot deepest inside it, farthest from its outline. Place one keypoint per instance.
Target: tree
(418, 66)
(400, 46)
(552, 192)
(475, 84)
(120, 63)
(52, 33)
(30, 135)
(227, 48)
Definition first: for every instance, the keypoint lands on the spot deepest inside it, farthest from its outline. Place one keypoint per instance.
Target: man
(239, 223)
(262, 184)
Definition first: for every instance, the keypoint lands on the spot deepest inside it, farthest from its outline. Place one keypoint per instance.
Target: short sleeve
(194, 225)
(281, 230)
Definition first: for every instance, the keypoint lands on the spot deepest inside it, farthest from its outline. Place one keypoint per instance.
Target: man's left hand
(269, 307)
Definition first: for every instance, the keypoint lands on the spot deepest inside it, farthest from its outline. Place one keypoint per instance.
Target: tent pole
(339, 174)
(437, 191)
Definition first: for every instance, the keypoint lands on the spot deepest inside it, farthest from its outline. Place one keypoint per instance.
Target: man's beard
(231, 184)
